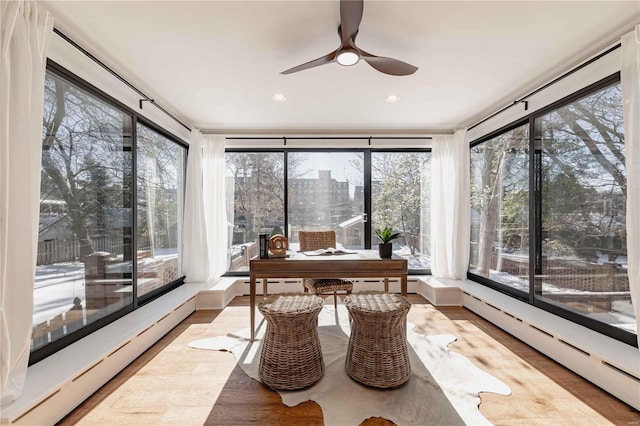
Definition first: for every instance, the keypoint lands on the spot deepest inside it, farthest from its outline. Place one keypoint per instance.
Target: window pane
(400, 188)
(255, 183)
(500, 209)
(160, 191)
(84, 244)
(326, 192)
(584, 251)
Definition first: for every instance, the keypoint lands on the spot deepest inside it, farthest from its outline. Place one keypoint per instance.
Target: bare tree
(502, 166)
(582, 149)
(258, 190)
(160, 163)
(81, 136)
(399, 178)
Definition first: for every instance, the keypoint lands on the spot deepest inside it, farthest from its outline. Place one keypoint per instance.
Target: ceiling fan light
(348, 57)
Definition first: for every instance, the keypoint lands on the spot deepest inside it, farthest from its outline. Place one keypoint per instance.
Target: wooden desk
(364, 264)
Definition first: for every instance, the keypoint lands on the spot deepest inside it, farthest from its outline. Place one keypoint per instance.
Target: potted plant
(386, 235)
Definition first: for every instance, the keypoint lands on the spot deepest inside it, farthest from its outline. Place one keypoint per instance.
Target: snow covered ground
(55, 288)
(621, 314)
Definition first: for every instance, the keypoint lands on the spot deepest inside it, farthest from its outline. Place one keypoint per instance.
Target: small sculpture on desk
(278, 245)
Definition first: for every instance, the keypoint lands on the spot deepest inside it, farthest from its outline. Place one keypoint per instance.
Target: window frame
(153, 294)
(535, 216)
(366, 151)
(503, 288)
(49, 349)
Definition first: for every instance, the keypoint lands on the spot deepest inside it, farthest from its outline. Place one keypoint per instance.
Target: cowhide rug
(443, 388)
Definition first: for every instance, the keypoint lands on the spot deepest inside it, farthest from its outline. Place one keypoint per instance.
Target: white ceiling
(216, 64)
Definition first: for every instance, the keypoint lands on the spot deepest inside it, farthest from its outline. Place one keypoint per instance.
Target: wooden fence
(56, 251)
(568, 274)
(241, 262)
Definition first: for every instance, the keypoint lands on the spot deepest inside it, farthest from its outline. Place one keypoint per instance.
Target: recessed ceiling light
(279, 97)
(392, 99)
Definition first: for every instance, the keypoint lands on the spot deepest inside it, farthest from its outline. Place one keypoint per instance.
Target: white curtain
(630, 78)
(229, 191)
(450, 206)
(25, 32)
(213, 177)
(195, 250)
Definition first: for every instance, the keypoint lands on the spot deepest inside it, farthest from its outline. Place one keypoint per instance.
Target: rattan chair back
(314, 240)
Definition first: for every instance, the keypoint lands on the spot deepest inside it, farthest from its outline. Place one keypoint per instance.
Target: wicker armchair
(314, 240)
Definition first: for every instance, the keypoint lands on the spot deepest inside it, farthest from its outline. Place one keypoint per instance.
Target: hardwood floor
(172, 384)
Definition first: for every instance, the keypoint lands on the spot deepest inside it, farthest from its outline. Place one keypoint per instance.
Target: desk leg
(403, 285)
(386, 284)
(252, 305)
(264, 287)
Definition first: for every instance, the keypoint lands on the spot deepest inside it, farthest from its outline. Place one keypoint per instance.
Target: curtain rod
(364, 138)
(116, 75)
(328, 137)
(552, 82)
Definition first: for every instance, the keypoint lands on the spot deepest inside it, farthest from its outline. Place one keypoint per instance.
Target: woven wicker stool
(291, 356)
(377, 355)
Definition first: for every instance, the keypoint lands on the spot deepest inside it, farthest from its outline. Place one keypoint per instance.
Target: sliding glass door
(85, 251)
(548, 211)
(97, 157)
(582, 266)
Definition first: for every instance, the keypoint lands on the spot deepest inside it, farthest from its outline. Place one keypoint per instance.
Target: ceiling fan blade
(350, 17)
(388, 65)
(327, 59)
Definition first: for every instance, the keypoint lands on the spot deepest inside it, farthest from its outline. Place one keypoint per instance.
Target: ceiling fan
(350, 54)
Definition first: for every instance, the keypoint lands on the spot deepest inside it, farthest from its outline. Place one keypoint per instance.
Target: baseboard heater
(58, 384)
(617, 372)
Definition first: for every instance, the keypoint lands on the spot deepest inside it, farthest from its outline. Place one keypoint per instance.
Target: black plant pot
(384, 250)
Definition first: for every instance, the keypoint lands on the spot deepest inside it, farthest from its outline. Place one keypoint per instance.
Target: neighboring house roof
(351, 222)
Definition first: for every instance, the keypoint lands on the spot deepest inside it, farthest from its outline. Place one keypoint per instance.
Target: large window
(400, 193)
(499, 209)
(85, 264)
(161, 165)
(326, 192)
(349, 191)
(583, 258)
(255, 190)
(557, 238)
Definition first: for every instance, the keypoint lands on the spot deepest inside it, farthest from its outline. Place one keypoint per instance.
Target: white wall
(596, 71)
(70, 58)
